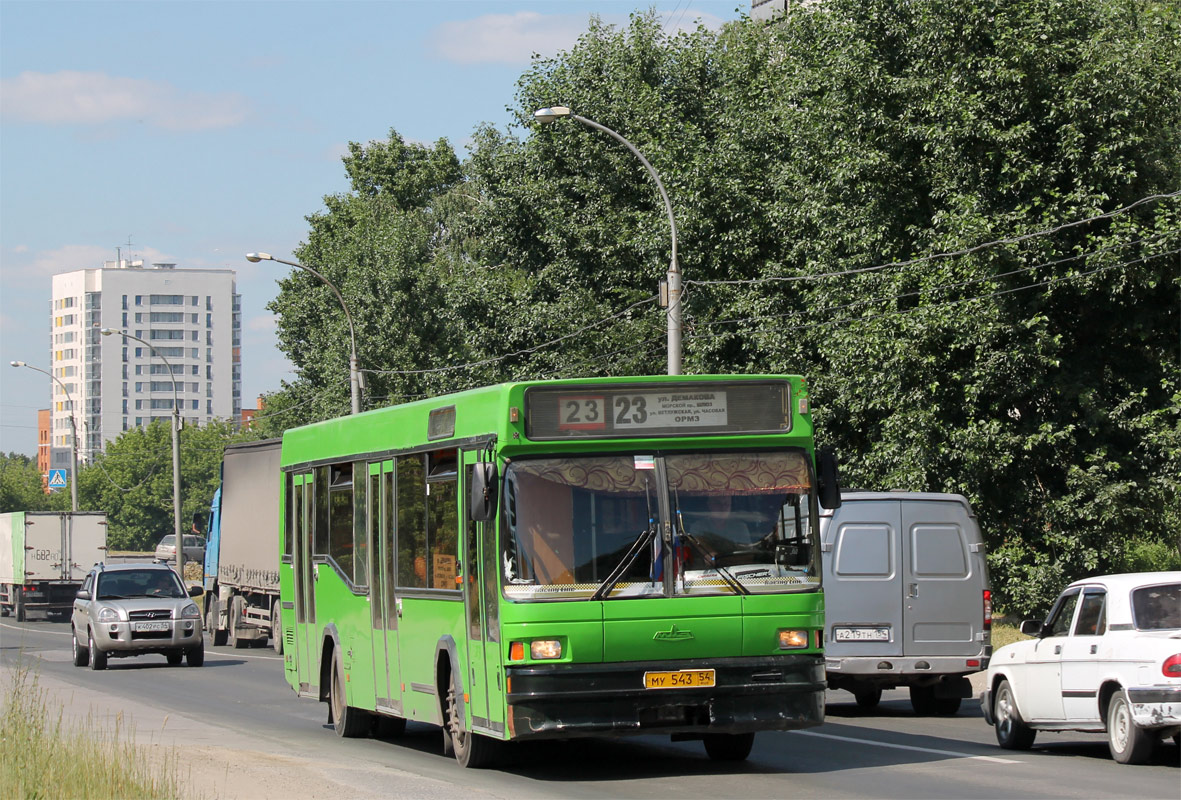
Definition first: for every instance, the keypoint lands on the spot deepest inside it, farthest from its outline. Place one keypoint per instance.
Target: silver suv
(132, 609)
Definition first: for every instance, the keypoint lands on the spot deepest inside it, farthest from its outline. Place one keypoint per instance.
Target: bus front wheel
(471, 749)
(728, 746)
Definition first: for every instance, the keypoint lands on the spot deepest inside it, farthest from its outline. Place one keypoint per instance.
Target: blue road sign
(57, 479)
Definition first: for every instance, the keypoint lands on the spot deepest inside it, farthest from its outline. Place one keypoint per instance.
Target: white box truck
(907, 597)
(44, 557)
(242, 548)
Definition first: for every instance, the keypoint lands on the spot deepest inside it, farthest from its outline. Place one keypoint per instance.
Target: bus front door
(483, 627)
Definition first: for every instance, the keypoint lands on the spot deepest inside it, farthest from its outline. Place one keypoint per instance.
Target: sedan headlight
(190, 612)
(108, 614)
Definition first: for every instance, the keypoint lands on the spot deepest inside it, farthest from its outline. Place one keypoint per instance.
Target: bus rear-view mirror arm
(483, 492)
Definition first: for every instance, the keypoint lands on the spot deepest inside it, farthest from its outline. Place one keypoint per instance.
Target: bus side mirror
(829, 484)
(483, 492)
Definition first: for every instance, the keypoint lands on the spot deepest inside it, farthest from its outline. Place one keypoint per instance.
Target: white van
(907, 598)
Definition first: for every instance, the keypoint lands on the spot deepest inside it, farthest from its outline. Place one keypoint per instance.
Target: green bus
(565, 558)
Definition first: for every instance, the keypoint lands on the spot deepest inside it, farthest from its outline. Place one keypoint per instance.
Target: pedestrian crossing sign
(57, 479)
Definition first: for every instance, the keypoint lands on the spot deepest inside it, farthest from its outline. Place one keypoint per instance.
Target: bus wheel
(349, 722)
(388, 727)
(728, 746)
(471, 749)
(277, 626)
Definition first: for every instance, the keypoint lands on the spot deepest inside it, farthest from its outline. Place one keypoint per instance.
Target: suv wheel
(174, 657)
(98, 659)
(195, 655)
(81, 654)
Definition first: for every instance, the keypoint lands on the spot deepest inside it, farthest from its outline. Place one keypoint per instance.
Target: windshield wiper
(638, 545)
(712, 561)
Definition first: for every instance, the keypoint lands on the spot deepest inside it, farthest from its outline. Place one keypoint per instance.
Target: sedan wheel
(98, 659)
(1128, 742)
(1011, 731)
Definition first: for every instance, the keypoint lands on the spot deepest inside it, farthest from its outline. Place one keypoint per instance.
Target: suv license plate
(861, 634)
(681, 679)
(151, 626)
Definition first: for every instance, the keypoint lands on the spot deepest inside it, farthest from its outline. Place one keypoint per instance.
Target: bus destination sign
(664, 410)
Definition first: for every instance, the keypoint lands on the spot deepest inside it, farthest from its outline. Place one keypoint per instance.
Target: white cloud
(94, 98)
(266, 322)
(507, 38)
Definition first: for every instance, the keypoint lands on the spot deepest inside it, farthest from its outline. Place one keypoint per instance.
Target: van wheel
(868, 696)
(1128, 742)
(81, 654)
(728, 746)
(922, 700)
(471, 750)
(1011, 731)
(98, 659)
(349, 722)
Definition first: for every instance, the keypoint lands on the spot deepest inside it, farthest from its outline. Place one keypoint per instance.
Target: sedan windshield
(146, 583)
(733, 523)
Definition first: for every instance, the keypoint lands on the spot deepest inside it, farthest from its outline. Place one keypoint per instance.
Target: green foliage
(1037, 376)
(132, 481)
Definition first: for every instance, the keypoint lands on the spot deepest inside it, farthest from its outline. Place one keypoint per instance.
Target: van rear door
(943, 613)
(862, 567)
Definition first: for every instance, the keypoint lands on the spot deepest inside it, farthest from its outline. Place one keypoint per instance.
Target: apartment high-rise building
(192, 317)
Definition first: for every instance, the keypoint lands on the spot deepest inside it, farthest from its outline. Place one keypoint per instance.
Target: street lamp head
(550, 114)
(17, 363)
(106, 331)
(254, 258)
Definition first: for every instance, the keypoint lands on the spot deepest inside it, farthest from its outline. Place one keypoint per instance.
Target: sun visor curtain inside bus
(670, 409)
(705, 474)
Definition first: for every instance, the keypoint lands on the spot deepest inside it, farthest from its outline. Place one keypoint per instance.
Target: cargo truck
(242, 549)
(44, 557)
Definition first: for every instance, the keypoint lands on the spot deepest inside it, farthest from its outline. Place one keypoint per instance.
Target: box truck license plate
(861, 634)
(681, 679)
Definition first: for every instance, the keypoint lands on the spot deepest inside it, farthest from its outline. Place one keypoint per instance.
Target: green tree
(20, 485)
(857, 140)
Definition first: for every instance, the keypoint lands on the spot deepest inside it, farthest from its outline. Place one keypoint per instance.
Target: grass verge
(42, 757)
(1003, 634)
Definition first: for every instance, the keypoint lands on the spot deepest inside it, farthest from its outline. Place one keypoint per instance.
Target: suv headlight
(108, 614)
(190, 612)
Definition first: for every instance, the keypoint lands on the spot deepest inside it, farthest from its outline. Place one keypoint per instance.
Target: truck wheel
(1128, 742)
(98, 659)
(349, 722)
(18, 604)
(277, 626)
(728, 746)
(212, 608)
(472, 750)
(235, 641)
(1011, 731)
(868, 696)
(81, 654)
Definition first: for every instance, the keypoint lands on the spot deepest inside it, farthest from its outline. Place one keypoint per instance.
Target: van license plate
(681, 679)
(151, 626)
(861, 634)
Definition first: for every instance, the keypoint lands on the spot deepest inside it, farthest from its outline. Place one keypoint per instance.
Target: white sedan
(1107, 658)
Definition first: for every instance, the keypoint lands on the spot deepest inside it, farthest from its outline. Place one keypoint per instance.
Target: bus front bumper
(750, 694)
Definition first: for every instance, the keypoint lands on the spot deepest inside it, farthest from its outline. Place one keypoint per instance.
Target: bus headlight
(545, 649)
(792, 639)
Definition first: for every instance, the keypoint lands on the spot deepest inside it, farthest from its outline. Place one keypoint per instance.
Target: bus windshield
(583, 527)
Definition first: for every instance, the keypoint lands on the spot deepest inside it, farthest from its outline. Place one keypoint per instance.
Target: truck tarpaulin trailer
(44, 557)
(242, 552)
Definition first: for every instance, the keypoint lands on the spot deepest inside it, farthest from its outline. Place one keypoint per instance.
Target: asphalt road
(243, 733)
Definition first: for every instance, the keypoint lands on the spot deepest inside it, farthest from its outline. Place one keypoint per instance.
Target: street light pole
(73, 424)
(180, 542)
(545, 115)
(354, 372)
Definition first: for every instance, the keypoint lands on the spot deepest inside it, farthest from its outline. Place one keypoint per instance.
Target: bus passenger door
(488, 577)
(476, 678)
(305, 593)
(383, 613)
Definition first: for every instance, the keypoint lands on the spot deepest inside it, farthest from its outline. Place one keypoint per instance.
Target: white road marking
(207, 652)
(907, 747)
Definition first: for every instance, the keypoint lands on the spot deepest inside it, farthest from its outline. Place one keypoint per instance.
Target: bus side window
(411, 529)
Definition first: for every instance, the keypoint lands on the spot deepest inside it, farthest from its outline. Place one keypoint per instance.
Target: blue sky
(201, 131)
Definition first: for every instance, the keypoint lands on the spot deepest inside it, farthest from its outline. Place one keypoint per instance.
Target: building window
(139, 301)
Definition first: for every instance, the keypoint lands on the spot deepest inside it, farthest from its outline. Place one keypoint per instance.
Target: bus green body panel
(402, 650)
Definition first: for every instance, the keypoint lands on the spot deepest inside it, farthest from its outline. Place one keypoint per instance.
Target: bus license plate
(151, 626)
(681, 679)
(861, 634)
